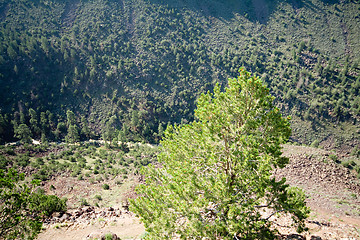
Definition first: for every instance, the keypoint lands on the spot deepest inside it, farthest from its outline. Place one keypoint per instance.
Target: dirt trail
(90, 221)
(126, 228)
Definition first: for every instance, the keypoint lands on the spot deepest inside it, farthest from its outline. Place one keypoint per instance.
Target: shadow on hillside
(254, 10)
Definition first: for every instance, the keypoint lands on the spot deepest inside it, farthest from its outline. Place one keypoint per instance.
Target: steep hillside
(333, 194)
(126, 68)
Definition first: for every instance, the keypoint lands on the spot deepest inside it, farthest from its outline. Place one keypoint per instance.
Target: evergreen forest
(122, 70)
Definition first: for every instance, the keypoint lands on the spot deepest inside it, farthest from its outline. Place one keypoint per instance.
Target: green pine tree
(23, 133)
(216, 176)
(72, 135)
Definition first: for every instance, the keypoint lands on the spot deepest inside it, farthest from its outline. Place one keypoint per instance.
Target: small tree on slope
(215, 179)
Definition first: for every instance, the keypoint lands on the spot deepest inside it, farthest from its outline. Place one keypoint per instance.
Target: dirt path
(94, 224)
(125, 229)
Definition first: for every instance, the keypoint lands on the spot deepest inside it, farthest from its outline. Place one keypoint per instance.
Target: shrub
(347, 164)
(22, 160)
(315, 143)
(48, 204)
(334, 158)
(99, 179)
(84, 202)
(355, 152)
(108, 236)
(106, 186)
(21, 208)
(4, 162)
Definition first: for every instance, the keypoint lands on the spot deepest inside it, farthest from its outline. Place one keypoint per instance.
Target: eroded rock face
(86, 214)
(333, 192)
(317, 169)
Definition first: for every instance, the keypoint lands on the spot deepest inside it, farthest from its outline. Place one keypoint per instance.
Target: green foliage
(334, 158)
(356, 152)
(22, 160)
(216, 175)
(349, 164)
(73, 134)
(4, 161)
(23, 133)
(22, 209)
(315, 143)
(84, 202)
(47, 205)
(108, 236)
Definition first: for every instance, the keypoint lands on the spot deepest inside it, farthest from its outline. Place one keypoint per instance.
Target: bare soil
(127, 227)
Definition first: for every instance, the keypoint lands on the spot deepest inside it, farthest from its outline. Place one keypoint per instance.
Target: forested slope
(123, 69)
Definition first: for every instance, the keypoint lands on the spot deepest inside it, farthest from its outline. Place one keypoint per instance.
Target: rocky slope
(333, 195)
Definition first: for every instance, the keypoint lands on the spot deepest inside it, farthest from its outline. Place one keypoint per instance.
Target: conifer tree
(71, 119)
(23, 133)
(215, 176)
(72, 135)
(34, 122)
(109, 131)
(85, 131)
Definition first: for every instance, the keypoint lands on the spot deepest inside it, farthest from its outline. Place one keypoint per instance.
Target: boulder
(103, 236)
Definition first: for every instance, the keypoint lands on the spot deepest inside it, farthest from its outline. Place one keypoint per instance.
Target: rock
(107, 235)
(88, 209)
(57, 214)
(65, 217)
(296, 236)
(94, 235)
(103, 236)
(315, 238)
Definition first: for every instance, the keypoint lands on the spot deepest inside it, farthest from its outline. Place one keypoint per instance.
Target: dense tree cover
(145, 62)
(21, 208)
(215, 175)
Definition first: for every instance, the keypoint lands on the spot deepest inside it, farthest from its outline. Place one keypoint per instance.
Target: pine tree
(109, 132)
(85, 131)
(70, 117)
(23, 133)
(72, 135)
(215, 178)
(34, 122)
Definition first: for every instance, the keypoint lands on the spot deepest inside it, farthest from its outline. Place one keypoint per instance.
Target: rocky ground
(93, 223)
(333, 195)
